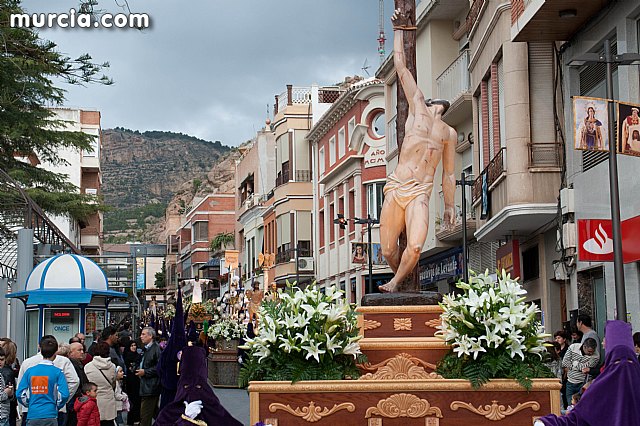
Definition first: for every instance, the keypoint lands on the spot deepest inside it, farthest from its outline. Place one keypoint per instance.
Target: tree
(161, 276)
(28, 128)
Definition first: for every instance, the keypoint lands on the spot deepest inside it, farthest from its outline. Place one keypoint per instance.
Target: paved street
(236, 401)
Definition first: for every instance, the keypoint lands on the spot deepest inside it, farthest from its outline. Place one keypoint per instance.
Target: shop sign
(595, 240)
(440, 267)
(508, 258)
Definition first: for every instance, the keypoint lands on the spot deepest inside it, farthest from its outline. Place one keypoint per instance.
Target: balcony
(522, 202)
(90, 162)
(454, 85)
(545, 155)
(300, 176)
(454, 233)
(550, 20)
(288, 255)
(494, 173)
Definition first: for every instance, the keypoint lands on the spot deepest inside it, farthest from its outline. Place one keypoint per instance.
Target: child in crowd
(122, 399)
(6, 394)
(553, 358)
(87, 406)
(577, 362)
(43, 388)
(574, 400)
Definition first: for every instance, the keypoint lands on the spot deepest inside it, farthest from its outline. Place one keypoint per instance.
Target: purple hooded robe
(613, 398)
(193, 386)
(168, 364)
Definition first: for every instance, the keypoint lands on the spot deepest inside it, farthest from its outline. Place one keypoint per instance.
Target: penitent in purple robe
(613, 399)
(193, 386)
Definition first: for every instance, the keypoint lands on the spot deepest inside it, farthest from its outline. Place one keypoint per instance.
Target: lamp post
(369, 221)
(618, 265)
(463, 183)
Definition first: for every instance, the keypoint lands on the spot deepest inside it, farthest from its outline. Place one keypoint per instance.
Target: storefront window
(33, 335)
(63, 323)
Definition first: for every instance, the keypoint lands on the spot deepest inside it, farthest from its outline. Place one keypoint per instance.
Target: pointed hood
(168, 365)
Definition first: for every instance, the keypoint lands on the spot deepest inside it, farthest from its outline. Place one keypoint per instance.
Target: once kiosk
(64, 295)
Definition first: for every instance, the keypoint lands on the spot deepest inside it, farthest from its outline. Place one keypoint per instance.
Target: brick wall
(517, 9)
(495, 108)
(484, 123)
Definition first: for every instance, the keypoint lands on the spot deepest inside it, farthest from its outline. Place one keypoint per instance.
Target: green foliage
(161, 276)
(116, 219)
(494, 364)
(28, 66)
(221, 239)
(196, 185)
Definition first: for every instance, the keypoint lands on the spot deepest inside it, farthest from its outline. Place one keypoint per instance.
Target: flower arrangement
(494, 333)
(227, 329)
(170, 312)
(210, 306)
(305, 335)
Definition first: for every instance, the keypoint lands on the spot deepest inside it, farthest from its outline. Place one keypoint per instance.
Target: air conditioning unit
(305, 264)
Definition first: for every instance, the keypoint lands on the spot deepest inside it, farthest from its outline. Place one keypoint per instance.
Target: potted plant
(493, 333)
(226, 333)
(221, 241)
(304, 335)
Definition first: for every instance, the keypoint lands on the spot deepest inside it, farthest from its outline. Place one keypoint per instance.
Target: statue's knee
(415, 249)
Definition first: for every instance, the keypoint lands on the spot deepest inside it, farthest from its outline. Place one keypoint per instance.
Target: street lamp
(463, 182)
(369, 221)
(618, 265)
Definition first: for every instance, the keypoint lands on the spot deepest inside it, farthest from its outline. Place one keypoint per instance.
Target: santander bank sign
(595, 243)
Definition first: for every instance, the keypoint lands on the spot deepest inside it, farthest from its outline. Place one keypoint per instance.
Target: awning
(63, 297)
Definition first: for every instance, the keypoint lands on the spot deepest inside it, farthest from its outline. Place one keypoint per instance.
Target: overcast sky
(208, 68)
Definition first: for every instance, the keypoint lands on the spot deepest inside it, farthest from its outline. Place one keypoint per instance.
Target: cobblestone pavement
(236, 401)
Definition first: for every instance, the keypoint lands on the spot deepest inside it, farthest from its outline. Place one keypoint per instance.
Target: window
(200, 231)
(321, 161)
(375, 197)
(378, 124)
(341, 143)
(351, 127)
(332, 150)
(530, 264)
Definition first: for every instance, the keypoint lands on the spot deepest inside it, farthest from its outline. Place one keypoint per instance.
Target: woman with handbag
(102, 372)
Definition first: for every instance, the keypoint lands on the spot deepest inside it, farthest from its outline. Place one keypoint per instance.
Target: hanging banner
(590, 124)
(231, 258)
(628, 129)
(140, 273)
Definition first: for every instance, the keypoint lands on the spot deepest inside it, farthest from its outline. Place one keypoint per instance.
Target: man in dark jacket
(110, 336)
(150, 387)
(76, 356)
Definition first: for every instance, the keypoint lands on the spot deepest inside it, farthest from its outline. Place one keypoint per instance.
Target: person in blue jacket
(43, 388)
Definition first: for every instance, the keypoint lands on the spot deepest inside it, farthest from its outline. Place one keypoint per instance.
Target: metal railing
(474, 13)
(294, 95)
(494, 169)
(455, 80)
(285, 256)
(544, 154)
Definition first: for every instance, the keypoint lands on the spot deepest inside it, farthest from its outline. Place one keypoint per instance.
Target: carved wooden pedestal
(399, 385)
(223, 365)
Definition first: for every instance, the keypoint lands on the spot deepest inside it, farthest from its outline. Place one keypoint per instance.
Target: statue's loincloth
(405, 192)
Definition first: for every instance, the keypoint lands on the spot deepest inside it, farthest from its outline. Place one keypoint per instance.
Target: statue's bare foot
(389, 287)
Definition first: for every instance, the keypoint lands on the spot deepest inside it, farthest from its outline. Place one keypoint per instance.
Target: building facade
(349, 149)
(83, 170)
(570, 30)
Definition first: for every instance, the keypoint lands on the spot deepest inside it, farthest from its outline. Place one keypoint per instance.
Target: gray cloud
(209, 68)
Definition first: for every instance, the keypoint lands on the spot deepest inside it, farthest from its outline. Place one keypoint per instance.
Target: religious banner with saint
(590, 124)
(628, 129)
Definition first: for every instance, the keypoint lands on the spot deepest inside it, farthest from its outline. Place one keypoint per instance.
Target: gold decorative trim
(495, 412)
(402, 324)
(400, 310)
(400, 363)
(402, 344)
(403, 405)
(371, 324)
(433, 323)
(312, 413)
(455, 385)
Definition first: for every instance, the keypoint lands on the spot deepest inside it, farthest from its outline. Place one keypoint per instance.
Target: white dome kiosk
(64, 295)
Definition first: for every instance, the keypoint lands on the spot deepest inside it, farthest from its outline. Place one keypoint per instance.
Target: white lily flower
(352, 348)
(313, 350)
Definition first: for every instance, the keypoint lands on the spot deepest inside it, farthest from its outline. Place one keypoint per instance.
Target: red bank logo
(595, 243)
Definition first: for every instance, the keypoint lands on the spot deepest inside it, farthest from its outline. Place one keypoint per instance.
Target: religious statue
(255, 297)
(427, 141)
(196, 294)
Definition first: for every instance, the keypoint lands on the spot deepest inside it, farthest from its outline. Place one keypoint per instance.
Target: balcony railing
(300, 176)
(493, 171)
(287, 255)
(474, 13)
(544, 154)
(294, 95)
(455, 80)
